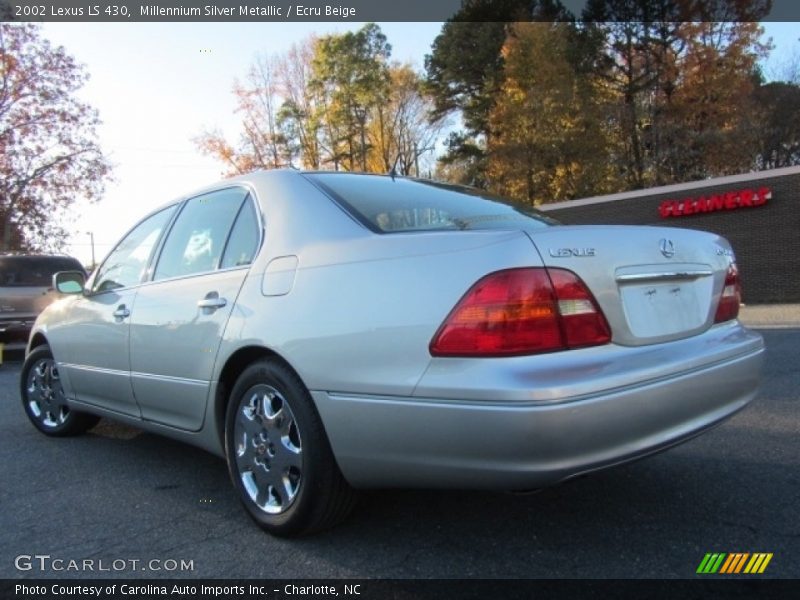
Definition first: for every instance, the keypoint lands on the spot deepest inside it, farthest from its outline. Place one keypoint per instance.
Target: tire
(279, 457)
(43, 397)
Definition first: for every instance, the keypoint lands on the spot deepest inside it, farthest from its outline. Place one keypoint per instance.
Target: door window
(125, 265)
(196, 240)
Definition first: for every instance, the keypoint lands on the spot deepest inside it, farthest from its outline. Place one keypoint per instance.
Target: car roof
(14, 256)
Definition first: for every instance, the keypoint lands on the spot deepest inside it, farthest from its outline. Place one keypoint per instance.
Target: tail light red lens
(522, 311)
(731, 298)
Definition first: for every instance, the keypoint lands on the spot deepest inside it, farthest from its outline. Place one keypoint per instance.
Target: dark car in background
(26, 288)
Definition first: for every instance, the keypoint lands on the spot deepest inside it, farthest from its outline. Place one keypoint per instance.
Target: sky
(159, 85)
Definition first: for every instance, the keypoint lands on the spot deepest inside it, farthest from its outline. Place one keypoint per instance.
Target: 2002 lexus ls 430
(332, 331)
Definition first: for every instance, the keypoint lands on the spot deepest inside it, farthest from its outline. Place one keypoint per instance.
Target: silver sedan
(326, 332)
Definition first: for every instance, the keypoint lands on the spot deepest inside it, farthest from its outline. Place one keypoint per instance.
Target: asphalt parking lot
(121, 494)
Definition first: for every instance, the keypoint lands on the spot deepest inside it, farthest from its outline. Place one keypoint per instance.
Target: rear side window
(243, 241)
(196, 240)
(34, 271)
(396, 204)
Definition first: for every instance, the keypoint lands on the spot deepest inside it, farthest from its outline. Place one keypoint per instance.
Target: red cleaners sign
(705, 204)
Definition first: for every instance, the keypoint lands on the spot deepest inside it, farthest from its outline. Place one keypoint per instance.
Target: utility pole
(91, 240)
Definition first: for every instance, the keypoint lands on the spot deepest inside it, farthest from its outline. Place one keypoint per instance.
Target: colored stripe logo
(734, 563)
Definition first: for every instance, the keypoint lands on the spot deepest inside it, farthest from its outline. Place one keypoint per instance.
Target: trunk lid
(654, 284)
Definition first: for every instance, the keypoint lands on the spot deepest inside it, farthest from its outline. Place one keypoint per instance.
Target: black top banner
(392, 10)
(226, 11)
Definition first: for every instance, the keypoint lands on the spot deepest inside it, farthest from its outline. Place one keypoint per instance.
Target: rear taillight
(728, 307)
(582, 321)
(522, 311)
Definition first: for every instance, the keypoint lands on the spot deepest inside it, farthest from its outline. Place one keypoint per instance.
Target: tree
(280, 116)
(330, 102)
(465, 69)
(682, 73)
(777, 125)
(297, 120)
(399, 134)
(465, 72)
(713, 101)
(350, 78)
(464, 161)
(49, 153)
(548, 143)
(641, 44)
(262, 144)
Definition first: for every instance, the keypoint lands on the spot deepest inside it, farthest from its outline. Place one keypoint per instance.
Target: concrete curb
(770, 316)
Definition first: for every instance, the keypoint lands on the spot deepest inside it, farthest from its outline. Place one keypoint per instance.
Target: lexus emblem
(667, 248)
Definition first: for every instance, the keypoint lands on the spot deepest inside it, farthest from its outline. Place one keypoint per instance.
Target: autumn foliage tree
(548, 141)
(261, 143)
(280, 124)
(548, 107)
(713, 103)
(638, 69)
(297, 117)
(777, 111)
(350, 78)
(465, 73)
(681, 75)
(400, 134)
(331, 102)
(49, 154)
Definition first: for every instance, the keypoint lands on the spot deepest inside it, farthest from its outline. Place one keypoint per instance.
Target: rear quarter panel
(364, 325)
(363, 307)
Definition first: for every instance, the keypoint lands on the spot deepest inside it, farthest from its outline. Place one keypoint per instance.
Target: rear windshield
(388, 205)
(34, 271)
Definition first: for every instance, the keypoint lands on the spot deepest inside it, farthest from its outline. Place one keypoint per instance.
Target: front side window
(197, 239)
(125, 265)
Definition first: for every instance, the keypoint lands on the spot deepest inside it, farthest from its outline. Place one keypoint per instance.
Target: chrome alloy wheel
(268, 449)
(46, 399)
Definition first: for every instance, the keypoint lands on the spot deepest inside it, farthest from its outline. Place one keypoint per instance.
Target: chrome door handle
(211, 302)
(121, 312)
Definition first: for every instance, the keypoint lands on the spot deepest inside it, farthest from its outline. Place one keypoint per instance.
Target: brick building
(759, 213)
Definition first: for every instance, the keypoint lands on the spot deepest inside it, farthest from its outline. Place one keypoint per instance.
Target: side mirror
(69, 282)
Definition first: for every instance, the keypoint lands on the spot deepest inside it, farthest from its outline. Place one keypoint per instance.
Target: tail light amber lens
(582, 321)
(731, 298)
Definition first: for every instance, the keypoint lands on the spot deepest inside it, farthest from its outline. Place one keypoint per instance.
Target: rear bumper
(501, 444)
